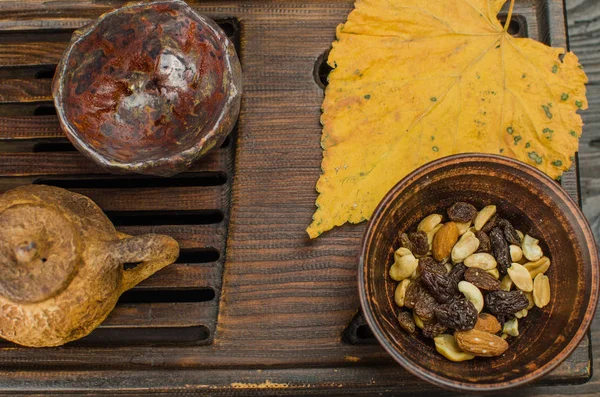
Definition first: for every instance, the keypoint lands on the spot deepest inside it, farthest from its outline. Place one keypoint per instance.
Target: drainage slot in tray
(139, 182)
(157, 218)
(167, 296)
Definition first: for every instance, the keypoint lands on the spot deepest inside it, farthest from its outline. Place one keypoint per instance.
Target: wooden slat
(73, 163)
(157, 199)
(31, 54)
(25, 90)
(184, 276)
(156, 315)
(30, 127)
(188, 236)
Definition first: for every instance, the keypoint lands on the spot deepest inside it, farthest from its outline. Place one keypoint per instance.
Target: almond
(444, 240)
(480, 343)
(488, 323)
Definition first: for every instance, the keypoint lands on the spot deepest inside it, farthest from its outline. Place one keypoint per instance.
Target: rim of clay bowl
(424, 373)
(176, 162)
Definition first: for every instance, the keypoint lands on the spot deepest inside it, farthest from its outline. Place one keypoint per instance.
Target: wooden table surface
(257, 343)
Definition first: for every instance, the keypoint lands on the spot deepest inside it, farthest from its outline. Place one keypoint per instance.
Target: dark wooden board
(285, 301)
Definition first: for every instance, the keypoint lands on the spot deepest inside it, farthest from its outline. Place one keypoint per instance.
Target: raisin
(405, 242)
(425, 307)
(484, 242)
(433, 329)
(460, 315)
(505, 302)
(481, 279)
(501, 250)
(414, 292)
(407, 322)
(457, 273)
(510, 234)
(441, 286)
(419, 242)
(490, 224)
(430, 264)
(462, 212)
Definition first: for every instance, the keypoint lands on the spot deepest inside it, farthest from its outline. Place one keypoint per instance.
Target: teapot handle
(154, 251)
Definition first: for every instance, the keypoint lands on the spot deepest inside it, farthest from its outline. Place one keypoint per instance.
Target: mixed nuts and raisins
(465, 283)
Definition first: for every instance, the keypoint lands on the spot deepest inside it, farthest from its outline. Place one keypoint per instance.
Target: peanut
(467, 245)
(481, 261)
(446, 345)
(541, 290)
(506, 283)
(429, 222)
(529, 296)
(521, 277)
(494, 273)
(521, 313)
(400, 252)
(511, 327)
(515, 253)
(418, 321)
(537, 267)
(463, 227)
(483, 216)
(431, 234)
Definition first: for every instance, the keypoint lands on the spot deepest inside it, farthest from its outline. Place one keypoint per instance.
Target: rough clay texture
(56, 310)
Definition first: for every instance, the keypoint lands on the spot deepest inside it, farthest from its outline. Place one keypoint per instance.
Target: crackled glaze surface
(149, 87)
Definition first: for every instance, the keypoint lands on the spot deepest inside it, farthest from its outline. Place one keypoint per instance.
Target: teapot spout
(154, 251)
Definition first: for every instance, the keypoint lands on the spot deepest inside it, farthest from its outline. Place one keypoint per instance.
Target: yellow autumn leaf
(415, 80)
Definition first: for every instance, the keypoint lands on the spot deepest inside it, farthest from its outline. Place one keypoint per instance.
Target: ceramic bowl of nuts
(478, 273)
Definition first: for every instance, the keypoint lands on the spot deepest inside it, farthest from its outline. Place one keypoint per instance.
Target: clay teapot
(61, 265)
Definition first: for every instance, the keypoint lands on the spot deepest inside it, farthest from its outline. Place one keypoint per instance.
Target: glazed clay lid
(149, 87)
(39, 252)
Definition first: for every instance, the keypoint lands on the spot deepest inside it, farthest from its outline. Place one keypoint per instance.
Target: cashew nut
(531, 249)
(472, 293)
(483, 216)
(400, 252)
(403, 267)
(400, 292)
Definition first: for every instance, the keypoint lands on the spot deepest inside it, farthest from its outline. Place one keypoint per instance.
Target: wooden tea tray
(252, 305)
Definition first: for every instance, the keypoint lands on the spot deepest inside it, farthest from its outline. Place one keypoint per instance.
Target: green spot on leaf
(579, 104)
(501, 150)
(564, 96)
(527, 145)
(517, 138)
(547, 111)
(523, 76)
(433, 99)
(432, 137)
(368, 96)
(557, 163)
(572, 158)
(547, 130)
(555, 69)
(435, 149)
(510, 130)
(535, 157)
(573, 133)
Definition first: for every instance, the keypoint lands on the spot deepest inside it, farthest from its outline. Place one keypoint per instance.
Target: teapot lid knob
(40, 250)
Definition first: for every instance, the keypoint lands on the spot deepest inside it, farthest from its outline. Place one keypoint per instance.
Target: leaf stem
(509, 16)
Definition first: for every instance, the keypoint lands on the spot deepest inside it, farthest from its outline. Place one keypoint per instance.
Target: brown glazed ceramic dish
(148, 88)
(536, 205)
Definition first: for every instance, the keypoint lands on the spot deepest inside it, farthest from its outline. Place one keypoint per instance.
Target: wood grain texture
(285, 299)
